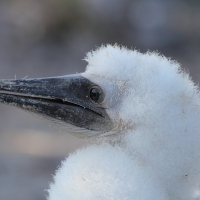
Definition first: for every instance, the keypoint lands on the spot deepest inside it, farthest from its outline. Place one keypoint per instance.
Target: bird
(141, 112)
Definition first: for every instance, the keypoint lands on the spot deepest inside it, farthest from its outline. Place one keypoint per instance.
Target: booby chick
(144, 112)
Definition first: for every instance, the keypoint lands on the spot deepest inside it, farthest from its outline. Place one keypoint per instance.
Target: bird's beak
(63, 100)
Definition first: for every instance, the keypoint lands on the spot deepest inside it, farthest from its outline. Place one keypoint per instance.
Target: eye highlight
(96, 94)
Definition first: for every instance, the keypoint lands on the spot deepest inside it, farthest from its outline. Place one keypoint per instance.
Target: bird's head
(119, 91)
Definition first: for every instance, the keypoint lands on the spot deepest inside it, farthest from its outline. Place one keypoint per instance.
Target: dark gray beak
(63, 100)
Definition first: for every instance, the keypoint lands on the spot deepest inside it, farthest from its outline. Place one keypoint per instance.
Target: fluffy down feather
(156, 110)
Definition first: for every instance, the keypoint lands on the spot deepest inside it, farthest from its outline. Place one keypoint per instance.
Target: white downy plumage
(155, 108)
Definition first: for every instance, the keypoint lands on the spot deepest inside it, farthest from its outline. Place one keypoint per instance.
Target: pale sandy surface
(27, 161)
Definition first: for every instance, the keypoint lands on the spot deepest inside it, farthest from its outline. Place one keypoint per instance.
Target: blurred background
(41, 38)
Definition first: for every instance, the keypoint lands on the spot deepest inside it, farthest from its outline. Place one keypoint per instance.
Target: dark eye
(95, 94)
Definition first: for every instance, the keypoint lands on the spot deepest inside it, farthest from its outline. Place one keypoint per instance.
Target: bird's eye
(96, 94)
